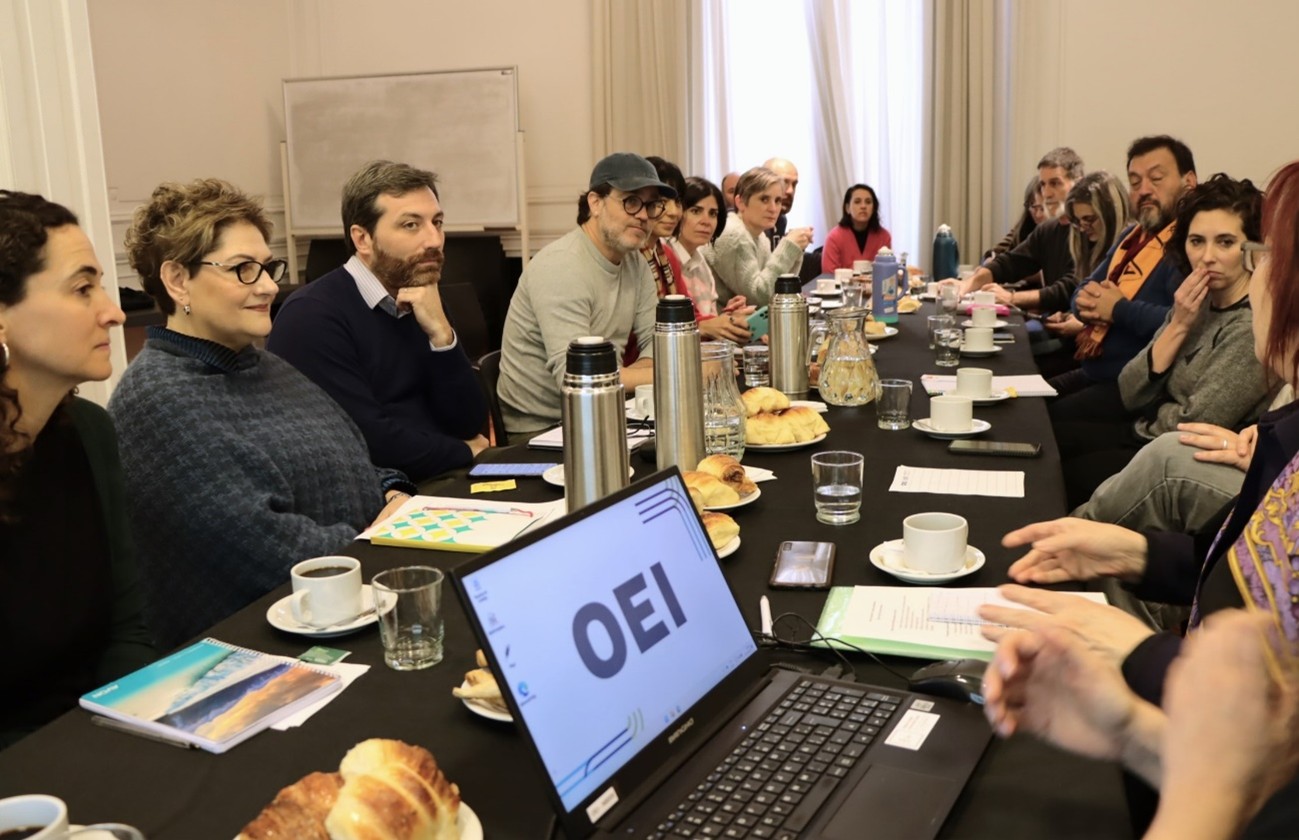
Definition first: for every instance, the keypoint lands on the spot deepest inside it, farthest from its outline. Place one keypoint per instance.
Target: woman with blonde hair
(742, 258)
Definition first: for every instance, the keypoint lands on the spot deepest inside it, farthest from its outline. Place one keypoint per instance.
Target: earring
(4, 356)
(186, 308)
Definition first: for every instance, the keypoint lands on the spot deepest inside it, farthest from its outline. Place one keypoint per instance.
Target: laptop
(641, 692)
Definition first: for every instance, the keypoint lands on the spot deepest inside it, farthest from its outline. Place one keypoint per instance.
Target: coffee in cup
(975, 383)
(934, 542)
(33, 817)
(326, 590)
(978, 339)
(951, 413)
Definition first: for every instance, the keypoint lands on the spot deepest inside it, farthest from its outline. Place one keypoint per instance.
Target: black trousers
(1096, 437)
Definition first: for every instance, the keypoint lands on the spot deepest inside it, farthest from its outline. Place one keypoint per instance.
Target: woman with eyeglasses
(68, 583)
(742, 258)
(237, 466)
(1034, 214)
(859, 234)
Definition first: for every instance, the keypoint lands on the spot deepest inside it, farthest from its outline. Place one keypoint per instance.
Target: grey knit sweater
(236, 467)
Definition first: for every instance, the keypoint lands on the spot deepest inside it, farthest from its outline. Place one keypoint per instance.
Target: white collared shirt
(375, 295)
(698, 277)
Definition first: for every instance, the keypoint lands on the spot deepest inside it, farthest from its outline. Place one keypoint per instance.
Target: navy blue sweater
(416, 407)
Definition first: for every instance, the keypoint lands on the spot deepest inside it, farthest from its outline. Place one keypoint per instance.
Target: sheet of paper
(1003, 483)
(349, 671)
(1026, 385)
(554, 439)
(961, 606)
(901, 614)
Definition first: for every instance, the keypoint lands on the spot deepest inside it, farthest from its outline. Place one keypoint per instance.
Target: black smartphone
(509, 470)
(803, 564)
(995, 447)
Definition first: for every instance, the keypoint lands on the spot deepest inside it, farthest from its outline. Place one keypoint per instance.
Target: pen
(117, 726)
(764, 609)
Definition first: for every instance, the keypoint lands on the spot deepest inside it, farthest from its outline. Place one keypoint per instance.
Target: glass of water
(756, 366)
(947, 347)
(836, 486)
(893, 407)
(409, 602)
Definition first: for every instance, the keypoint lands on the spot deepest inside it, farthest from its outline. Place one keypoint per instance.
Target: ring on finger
(1224, 443)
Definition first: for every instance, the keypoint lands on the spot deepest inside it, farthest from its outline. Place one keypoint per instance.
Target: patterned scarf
(1134, 260)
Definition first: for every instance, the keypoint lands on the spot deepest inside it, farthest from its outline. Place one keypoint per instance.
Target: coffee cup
(862, 267)
(951, 413)
(983, 316)
(46, 816)
(975, 383)
(828, 286)
(644, 401)
(978, 339)
(326, 590)
(985, 298)
(843, 276)
(934, 542)
(931, 290)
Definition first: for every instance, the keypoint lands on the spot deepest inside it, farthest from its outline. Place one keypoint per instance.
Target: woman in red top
(859, 234)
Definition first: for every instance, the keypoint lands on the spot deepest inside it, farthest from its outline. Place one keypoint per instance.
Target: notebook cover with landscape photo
(211, 694)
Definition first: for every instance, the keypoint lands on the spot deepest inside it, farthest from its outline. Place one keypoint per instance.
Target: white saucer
(555, 475)
(818, 407)
(889, 332)
(280, 616)
(887, 558)
(481, 709)
(744, 500)
(784, 447)
(996, 325)
(994, 397)
(835, 294)
(978, 428)
(978, 354)
(729, 549)
(832, 303)
(471, 828)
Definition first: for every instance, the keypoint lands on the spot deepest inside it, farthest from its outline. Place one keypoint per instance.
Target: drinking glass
(409, 600)
(893, 408)
(936, 323)
(947, 347)
(756, 366)
(836, 486)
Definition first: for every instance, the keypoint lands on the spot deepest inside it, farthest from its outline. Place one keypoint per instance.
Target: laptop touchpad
(891, 802)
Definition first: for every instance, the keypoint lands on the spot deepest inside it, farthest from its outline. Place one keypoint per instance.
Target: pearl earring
(186, 307)
(4, 356)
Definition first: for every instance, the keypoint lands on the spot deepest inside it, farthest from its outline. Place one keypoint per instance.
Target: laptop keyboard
(775, 780)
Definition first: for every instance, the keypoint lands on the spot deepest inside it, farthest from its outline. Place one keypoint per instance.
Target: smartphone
(509, 470)
(995, 447)
(803, 565)
(759, 323)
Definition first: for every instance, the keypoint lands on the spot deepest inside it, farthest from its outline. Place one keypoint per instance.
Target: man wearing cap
(591, 281)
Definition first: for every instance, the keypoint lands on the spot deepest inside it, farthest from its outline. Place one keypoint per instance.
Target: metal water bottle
(947, 254)
(788, 327)
(595, 422)
(678, 390)
(884, 287)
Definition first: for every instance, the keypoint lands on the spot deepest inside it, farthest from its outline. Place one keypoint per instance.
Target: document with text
(1004, 483)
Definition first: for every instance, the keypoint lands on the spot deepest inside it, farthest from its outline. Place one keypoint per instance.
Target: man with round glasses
(591, 281)
(373, 333)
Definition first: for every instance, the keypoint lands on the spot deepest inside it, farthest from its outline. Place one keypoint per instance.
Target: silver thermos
(789, 351)
(678, 385)
(595, 422)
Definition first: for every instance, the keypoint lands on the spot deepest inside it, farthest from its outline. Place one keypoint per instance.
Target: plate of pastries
(772, 424)
(723, 531)
(722, 483)
(382, 788)
(481, 694)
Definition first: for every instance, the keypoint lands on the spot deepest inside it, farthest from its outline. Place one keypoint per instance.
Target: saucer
(996, 325)
(744, 500)
(978, 354)
(978, 427)
(830, 303)
(482, 709)
(885, 557)
(784, 447)
(994, 397)
(822, 293)
(815, 405)
(729, 549)
(555, 475)
(889, 332)
(280, 616)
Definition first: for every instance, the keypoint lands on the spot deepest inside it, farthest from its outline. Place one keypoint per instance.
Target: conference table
(1021, 789)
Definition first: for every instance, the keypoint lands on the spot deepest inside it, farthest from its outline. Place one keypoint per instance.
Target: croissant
(393, 791)
(763, 399)
(730, 471)
(298, 811)
(721, 528)
(713, 491)
(806, 422)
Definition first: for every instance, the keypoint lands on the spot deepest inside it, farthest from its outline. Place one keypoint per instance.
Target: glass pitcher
(848, 375)
(723, 409)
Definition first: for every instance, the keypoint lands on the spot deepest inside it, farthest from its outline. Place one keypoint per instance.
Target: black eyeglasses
(249, 272)
(1253, 254)
(633, 204)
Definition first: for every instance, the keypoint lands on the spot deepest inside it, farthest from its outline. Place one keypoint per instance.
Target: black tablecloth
(1021, 788)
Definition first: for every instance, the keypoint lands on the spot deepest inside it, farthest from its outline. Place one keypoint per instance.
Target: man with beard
(787, 171)
(591, 281)
(729, 181)
(373, 333)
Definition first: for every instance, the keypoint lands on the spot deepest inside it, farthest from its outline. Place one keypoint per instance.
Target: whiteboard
(462, 124)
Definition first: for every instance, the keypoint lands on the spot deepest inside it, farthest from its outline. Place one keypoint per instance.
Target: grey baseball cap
(628, 172)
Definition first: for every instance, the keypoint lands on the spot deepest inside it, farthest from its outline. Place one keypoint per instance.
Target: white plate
(887, 558)
(783, 447)
(280, 616)
(730, 548)
(995, 397)
(889, 332)
(471, 828)
(831, 303)
(979, 427)
(482, 709)
(818, 407)
(555, 475)
(744, 500)
(978, 354)
(837, 294)
(996, 325)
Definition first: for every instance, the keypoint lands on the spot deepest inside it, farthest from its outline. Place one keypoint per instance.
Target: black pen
(118, 726)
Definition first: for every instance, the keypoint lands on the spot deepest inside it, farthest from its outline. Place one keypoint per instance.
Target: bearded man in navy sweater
(372, 333)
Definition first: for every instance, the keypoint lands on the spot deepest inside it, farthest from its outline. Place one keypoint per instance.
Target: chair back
(488, 368)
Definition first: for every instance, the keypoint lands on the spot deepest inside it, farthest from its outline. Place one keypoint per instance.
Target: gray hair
(756, 180)
(376, 178)
(1065, 158)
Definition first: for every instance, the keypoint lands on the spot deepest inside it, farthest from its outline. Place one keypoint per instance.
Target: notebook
(211, 694)
(449, 524)
(636, 683)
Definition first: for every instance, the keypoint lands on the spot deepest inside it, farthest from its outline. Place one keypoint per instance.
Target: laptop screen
(608, 630)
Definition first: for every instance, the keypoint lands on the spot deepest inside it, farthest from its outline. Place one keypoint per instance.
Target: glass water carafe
(848, 375)
(723, 408)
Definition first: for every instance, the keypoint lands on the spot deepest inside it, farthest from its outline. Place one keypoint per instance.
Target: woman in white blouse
(703, 216)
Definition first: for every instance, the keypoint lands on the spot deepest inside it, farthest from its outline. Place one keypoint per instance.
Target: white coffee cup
(932, 290)
(934, 542)
(843, 276)
(645, 401)
(862, 267)
(326, 590)
(827, 286)
(951, 413)
(32, 810)
(985, 299)
(983, 316)
(978, 338)
(975, 383)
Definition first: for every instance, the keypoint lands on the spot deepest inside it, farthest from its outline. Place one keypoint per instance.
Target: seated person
(237, 466)
(742, 259)
(373, 333)
(1200, 366)
(591, 281)
(859, 234)
(1034, 214)
(69, 591)
(703, 208)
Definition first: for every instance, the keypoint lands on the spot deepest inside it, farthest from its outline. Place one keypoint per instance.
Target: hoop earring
(186, 308)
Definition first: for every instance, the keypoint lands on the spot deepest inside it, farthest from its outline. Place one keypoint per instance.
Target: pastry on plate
(730, 471)
(721, 528)
(712, 490)
(763, 399)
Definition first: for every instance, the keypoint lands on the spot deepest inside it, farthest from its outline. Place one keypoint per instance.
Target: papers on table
(961, 606)
(554, 439)
(1005, 483)
(1027, 385)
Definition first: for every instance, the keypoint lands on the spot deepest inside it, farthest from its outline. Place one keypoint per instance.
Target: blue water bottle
(884, 287)
(946, 254)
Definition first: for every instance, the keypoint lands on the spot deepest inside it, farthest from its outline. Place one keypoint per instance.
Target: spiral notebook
(450, 524)
(211, 695)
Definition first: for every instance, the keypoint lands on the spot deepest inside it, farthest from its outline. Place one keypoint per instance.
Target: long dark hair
(874, 222)
(697, 189)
